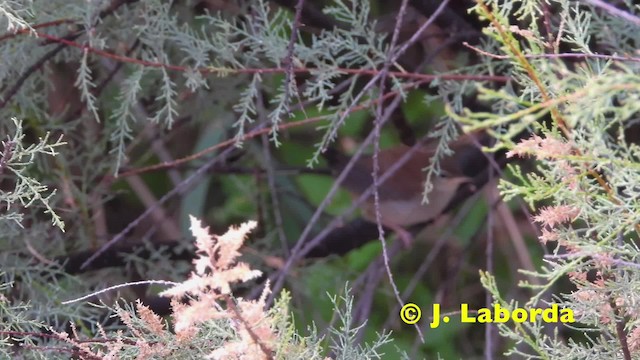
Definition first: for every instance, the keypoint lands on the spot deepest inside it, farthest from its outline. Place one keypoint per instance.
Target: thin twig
(64, 42)
(7, 154)
(619, 318)
(376, 161)
(554, 56)
(620, 331)
(271, 179)
(178, 189)
(302, 246)
(277, 70)
(119, 286)
(416, 36)
(298, 250)
(288, 74)
(253, 133)
(435, 250)
(28, 30)
(493, 198)
(13, 90)
(612, 10)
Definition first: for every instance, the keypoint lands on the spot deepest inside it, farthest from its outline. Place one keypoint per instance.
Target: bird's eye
(444, 174)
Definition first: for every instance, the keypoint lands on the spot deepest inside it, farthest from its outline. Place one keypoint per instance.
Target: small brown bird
(400, 196)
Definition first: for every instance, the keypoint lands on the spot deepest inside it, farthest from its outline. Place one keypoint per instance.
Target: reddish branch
(250, 135)
(9, 94)
(275, 70)
(38, 26)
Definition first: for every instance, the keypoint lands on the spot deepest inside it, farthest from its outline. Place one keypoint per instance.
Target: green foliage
(586, 172)
(139, 71)
(16, 159)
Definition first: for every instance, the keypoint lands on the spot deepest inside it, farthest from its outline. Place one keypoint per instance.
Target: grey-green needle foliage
(587, 171)
(218, 62)
(584, 191)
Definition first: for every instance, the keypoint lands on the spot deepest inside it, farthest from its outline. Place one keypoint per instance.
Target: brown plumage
(401, 194)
